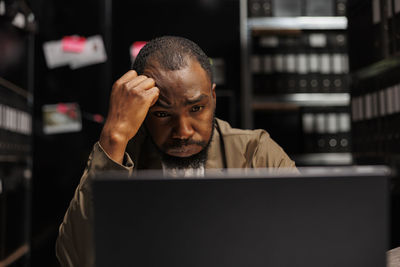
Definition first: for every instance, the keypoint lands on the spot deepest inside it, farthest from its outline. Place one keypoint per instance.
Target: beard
(192, 162)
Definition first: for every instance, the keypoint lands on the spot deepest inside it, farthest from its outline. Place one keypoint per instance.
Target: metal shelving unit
(248, 26)
(251, 102)
(15, 173)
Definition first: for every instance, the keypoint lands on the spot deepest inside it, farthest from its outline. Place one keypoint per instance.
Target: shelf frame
(315, 159)
(377, 68)
(246, 81)
(303, 100)
(297, 23)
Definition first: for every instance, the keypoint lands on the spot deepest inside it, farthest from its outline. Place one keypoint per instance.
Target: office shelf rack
(285, 99)
(374, 57)
(15, 173)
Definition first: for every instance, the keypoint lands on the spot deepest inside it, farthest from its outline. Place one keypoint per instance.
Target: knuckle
(140, 97)
(125, 86)
(134, 91)
(141, 78)
(156, 91)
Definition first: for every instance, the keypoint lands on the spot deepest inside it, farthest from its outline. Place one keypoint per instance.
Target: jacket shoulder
(227, 131)
(251, 148)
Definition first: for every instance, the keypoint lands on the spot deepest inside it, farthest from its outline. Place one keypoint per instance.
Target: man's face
(181, 121)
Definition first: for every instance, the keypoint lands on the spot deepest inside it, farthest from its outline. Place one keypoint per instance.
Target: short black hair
(171, 52)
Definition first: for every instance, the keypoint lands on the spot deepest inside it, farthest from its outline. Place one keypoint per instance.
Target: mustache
(178, 143)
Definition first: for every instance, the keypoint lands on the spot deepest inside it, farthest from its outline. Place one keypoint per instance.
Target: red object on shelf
(136, 47)
(73, 43)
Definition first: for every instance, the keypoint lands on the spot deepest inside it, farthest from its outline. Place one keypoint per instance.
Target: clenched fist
(130, 100)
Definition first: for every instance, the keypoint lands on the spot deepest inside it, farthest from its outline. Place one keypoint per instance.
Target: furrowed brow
(195, 100)
(163, 104)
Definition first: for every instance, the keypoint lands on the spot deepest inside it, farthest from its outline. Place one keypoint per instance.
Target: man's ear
(213, 94)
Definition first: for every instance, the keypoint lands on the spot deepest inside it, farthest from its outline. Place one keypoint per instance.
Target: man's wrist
(114, 145)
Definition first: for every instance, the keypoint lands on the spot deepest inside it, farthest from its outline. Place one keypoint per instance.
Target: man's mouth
(184, 150)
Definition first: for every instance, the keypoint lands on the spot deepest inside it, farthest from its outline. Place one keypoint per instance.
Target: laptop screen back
(339, 219)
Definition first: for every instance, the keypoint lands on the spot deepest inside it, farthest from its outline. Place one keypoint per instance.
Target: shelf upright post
(246, 88)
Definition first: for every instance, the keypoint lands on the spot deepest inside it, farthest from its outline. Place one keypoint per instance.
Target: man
(165, 109)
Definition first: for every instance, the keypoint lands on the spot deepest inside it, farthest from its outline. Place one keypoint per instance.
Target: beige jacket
(229, 148)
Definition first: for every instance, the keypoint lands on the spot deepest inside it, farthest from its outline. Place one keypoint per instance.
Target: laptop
(325, 216)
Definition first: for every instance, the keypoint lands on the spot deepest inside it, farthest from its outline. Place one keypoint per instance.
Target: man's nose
(183, 128)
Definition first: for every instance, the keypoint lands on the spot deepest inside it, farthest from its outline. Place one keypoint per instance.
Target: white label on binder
(325, 64)
(368, 106)
(22, 122)
(6, 118)
(290, 63)
(393, 97)
(13, 119)
(332, 126)
(13, 122)
(337, 63)
(302, 64)
(268, 64)
(308, 123)
(313, 60)
(389, 100)
(376, 11)
(1, 116)
(26, 124)
(361, 108)
(317, 40)
(396, 6)
(382, 107)
(375, 105)
(320, 123)
(18, 127)
(396, 97)
(344, 122)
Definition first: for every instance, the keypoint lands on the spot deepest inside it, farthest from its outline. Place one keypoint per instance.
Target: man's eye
(197, 108)
(161, 114)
